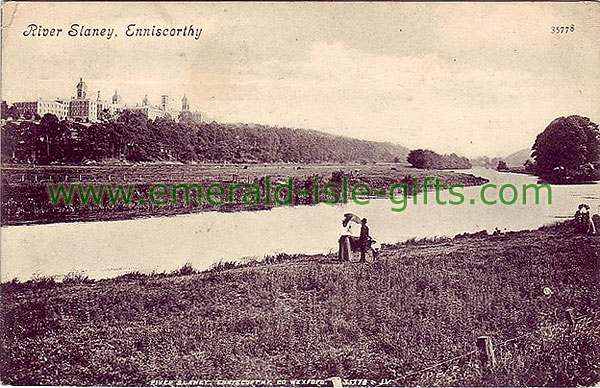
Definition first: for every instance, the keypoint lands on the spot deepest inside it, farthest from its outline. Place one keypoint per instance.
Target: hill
(517, 159)
(484, 161)
(413, 317)
(133, 138)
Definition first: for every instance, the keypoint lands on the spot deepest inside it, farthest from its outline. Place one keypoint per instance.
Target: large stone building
(152, 112)
(186, 114)
(108, 109)
(85, 108)
(40, 107)
(82, 108)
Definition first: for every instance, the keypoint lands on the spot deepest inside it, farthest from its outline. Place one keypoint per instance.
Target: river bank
(305, 316)
(108, 249)
(26, 200)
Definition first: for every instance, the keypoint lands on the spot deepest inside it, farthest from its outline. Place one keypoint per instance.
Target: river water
(107, 249)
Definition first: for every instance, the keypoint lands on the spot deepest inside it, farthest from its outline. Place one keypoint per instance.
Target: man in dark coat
(365, 240)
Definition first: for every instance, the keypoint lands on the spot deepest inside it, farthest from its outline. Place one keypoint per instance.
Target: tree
(13, 112)
(129, 132)
(429, 159)
(529, 166)
(568, 150)
(9, 111)
(106, 115)
(95, 142)
(10, 140)
(4, 110)
(416, 158)
(54, 139)
(502, 166)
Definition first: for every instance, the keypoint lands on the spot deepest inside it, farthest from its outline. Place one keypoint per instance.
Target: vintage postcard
(300, 194)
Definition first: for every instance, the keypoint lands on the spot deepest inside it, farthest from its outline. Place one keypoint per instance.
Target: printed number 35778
(562, 29)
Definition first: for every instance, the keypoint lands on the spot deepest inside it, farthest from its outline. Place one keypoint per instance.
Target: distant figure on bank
(588, 222)
(365, 241)
(579, 219)
(584, 222)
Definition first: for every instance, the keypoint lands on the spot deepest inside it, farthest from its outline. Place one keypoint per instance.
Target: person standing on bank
(588, 222)
(365, 240)
(344, 241)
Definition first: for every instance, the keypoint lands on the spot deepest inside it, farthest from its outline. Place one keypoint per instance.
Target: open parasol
(351, 217)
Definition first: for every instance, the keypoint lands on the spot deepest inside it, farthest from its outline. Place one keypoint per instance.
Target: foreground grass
(421, 303)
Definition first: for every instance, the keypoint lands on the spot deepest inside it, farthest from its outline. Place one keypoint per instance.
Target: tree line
(567, 151)
(484, 161)
(131, 137)
(428, 159)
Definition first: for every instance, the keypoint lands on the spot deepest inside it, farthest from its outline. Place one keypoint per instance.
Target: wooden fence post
(486, 351)
(336, 382)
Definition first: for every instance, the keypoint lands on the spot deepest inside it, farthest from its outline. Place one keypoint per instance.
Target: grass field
(25, 196)
(421, 303)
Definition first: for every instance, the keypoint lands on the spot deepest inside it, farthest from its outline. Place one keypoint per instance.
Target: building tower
(82, 107)
(164, 102)
(81, 89)
(116, 99)
(145, 100)
(98, 97)
(185, 105)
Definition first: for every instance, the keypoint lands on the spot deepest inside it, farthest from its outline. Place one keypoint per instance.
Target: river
(107, 249)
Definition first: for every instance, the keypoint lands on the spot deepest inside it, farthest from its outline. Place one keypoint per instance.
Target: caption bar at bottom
(330, 382)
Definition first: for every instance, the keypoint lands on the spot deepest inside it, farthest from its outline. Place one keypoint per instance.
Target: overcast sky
(471, 78)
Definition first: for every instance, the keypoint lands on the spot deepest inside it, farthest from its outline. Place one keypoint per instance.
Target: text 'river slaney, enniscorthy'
(132, 30)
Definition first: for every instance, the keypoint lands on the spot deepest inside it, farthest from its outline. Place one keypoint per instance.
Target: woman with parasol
(349, 236)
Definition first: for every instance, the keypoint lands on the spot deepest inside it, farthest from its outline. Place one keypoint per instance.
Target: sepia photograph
(300, 194)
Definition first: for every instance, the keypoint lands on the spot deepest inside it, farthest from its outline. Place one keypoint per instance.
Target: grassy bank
(421, 303)
(25, 198)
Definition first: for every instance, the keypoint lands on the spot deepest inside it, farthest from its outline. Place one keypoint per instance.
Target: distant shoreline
(25, 187)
